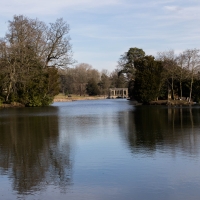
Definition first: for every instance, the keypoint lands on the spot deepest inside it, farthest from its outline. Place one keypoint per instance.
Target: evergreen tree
(147, 79)
(126, 62)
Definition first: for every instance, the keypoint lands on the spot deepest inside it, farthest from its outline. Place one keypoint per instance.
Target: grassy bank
(171, 102)
(63, 98)
(11, 105)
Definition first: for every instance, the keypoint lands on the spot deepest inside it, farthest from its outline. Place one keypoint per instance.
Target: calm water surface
(100, 150)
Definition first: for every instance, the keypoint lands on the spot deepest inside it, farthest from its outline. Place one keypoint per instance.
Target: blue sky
(103, 30)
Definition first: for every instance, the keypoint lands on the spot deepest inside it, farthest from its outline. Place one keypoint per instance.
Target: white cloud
(172, 8)
(183, 13)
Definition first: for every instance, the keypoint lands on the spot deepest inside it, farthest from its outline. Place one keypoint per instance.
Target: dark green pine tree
(147, 79)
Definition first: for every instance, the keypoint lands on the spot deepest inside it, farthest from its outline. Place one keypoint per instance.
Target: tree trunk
(191, 84)
(8, 91)
(173, 88)
(181, 92)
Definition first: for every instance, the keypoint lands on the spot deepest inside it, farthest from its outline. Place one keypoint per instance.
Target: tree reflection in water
(29, 150)
(153, 127)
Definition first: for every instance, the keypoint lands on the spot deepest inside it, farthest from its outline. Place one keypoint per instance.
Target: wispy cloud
(173, 8)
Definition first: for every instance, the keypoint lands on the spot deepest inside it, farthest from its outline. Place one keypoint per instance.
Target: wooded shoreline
(70, 98)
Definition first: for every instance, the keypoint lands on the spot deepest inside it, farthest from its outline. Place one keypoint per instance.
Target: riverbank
(12, 105)
(65, 98)
(57, 98)
(172, 102)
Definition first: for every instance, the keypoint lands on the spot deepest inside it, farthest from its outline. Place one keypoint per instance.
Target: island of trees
(36, 64)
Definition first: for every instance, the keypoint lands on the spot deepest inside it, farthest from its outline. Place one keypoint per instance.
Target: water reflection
(115, 150)
(154, 127)
(29, 149)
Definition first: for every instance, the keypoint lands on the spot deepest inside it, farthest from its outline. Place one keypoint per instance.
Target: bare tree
(118, 81)
(81, 77)
(75, 79)
(182, 71)
(105, 82)
(170, 68)
(58, 49)
(192, 62)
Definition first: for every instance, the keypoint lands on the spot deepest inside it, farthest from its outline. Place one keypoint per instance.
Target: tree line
(166, 76)
(83, 79)
(36, 63)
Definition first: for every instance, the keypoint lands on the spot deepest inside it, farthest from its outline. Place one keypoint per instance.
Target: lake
(100, 150)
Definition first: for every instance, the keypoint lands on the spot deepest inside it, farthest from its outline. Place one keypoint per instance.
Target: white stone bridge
(118, 93)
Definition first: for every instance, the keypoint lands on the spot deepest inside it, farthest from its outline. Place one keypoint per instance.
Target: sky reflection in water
(103, 149)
